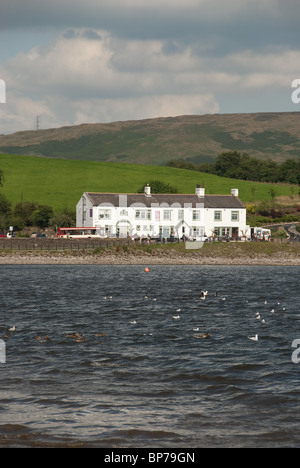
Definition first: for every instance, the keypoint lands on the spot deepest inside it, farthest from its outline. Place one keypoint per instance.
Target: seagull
(263, 321)
(178, 310)
(176, 317)
(203, 294)
(272, 311)
(195, 329)
(258, 317)
(12, 329)
(133, 322)
(253, 338)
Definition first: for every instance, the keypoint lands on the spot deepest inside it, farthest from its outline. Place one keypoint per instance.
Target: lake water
(149, 382)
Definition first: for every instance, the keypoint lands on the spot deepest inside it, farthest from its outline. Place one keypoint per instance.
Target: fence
(24, 244)
(58, 245)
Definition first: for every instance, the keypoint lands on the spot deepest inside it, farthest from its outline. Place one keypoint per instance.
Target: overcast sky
(74, 61)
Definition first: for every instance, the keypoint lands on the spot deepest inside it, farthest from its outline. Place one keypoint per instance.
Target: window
(143, 214)
(167, 215)
(218, 216)
(180, 215)
(234, 216)
(196, 215)
(223, 231)
(198, 231)
(104, 214)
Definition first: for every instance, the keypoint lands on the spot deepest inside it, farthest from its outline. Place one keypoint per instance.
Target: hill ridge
(198, 138)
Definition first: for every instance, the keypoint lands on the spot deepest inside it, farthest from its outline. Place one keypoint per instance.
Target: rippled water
(151, 383)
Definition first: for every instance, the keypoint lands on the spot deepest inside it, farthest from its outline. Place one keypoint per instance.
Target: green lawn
(60, 182)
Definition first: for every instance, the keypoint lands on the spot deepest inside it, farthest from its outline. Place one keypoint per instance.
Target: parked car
(38, 234)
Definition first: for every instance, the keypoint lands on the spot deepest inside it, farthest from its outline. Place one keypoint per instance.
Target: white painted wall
(159, 219)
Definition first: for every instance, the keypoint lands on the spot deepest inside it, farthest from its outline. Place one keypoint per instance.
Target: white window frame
(104, 214)
(235, 216)
(218, 215)
(143, 214)
(167, 215)
(196, 215)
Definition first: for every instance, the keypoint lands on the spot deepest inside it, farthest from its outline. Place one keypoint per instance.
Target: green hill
(196, 138)
(60, 183)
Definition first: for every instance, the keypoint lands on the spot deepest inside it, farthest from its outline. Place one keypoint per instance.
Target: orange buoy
(147, 269)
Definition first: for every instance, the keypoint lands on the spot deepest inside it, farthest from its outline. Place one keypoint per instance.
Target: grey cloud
(225, 25)
(119, 59)
(87, 34)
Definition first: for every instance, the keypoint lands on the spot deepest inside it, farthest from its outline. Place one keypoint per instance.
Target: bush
(157, 186)
(23, 213)
(65, 219)
(42, 215)
(251, 209)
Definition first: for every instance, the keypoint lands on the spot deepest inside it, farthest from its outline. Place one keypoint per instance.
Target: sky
(69, 62)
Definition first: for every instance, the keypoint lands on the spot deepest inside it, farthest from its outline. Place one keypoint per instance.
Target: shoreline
(144, 259)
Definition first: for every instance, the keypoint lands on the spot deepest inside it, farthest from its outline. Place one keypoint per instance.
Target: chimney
(200, 191)
(235, 192)
(147, 190)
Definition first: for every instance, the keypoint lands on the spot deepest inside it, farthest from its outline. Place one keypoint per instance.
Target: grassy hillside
(156, 141)
(60, 183)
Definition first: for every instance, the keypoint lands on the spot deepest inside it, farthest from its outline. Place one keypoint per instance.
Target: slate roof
(210, 201)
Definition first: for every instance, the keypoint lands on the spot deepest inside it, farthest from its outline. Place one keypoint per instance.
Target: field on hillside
(60, 183)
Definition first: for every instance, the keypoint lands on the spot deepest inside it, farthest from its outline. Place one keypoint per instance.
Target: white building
(144, 214)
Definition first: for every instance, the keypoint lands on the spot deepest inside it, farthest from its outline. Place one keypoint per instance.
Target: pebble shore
(170, 258)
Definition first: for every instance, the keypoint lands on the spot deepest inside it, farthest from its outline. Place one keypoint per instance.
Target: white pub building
(145, 214)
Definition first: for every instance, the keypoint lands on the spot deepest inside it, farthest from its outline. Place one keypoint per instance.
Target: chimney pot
(147, 190)
(200, 191)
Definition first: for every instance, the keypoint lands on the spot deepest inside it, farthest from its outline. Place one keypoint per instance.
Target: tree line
(242, 166)
(26, 214)
(30, 213)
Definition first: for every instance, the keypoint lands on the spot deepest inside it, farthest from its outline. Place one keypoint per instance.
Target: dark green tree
(64, 219)
(5, 213)
(24, 211)
(42, 216)
(157, 186)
